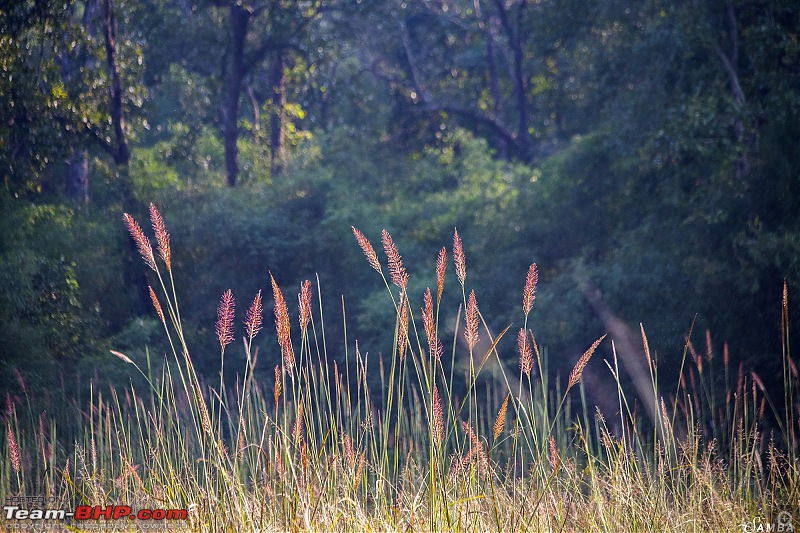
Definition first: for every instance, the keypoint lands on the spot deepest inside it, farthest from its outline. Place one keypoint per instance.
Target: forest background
(646, 155)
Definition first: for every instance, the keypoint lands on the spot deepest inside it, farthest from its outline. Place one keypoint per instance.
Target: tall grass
(316, 449)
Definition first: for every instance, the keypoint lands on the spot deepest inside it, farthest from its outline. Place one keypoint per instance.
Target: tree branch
(517, 75)
(498, 127)
(416, 78)
(96, 136)
(430, 105)
(736, 88)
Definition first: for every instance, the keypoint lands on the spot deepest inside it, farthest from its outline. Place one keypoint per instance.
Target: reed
(318, 450)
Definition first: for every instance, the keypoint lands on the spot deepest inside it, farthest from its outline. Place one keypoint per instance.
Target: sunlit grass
(317, 449)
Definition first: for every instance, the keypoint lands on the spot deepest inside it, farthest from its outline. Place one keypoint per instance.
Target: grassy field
(438, 449)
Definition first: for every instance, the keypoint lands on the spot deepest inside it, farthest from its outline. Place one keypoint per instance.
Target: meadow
(439, 447)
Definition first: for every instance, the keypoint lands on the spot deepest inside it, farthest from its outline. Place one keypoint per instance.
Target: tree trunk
(76, 170)
(522, 108)
(121, 151)
(730, 61)
(519, 87)
(256, 114)
(230, 114)
(77, 177)
(277, 84)
(494, 83)
(515, 42)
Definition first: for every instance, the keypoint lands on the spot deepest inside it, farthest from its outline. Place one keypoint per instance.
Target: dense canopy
(646, 155)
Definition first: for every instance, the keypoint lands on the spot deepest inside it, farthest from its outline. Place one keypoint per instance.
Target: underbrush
(439, 448)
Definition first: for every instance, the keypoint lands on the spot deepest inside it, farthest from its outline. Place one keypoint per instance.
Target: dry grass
(315, 451)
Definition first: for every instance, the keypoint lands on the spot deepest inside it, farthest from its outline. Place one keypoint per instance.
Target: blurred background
(646, 155)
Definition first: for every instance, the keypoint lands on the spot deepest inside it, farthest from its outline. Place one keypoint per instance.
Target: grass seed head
(20, 381)
(458, 258)
(441, 267)
(427, 314)
(785, 300)
(367, 248)
(471, 324)
(577, 372)
(156, 305)
(665, 420)
(93, 451)
(205, 419)
(359, 470)
(13, 450)
(242, 442)
(304, 299)
(304, 456)
(529, 293)
(122, 356)
(162, 237)
(698, 361)
(500, 421)
(349, 454)
(434, 344)
(277, 389)
(225, 315)
(402, 327)
(252, 321)
(740, 378)
(525, 353)
(757, 381)
(297, 431)
(396, 269)
(476, 450)
(283, 326)
(646, 346)
(142, 242)
(555, 460)
(437, 427)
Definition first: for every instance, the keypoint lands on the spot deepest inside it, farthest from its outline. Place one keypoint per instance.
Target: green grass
(316, 449)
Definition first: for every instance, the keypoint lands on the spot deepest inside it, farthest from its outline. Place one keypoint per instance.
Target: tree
(260, 31)
(118, 148)
(58, 100)
(30, 94)
(681, 187)
(495, 66)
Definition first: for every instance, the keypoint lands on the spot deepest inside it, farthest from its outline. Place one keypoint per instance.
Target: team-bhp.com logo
(87, 512)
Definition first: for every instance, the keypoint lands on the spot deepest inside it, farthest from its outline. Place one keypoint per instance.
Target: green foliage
(662, 164)
(43, 321)
(31, 91)
(61, 289)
